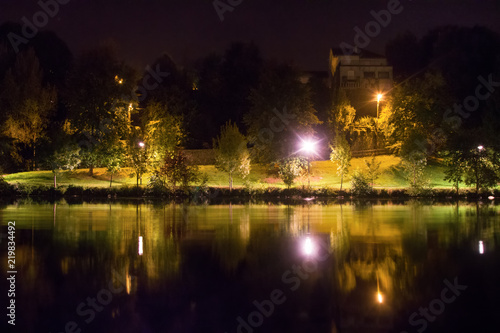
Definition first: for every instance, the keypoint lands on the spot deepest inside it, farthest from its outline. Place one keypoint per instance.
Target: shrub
(360, 184)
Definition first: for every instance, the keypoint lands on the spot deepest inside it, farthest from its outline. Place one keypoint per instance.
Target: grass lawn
(323, 174)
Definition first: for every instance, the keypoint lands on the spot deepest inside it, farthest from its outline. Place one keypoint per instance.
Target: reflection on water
(255, 268)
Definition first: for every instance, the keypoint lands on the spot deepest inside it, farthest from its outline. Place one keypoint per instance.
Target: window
(369, 75)
(383, 75)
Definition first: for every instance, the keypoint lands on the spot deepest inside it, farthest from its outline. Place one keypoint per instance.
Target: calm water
(254, 268)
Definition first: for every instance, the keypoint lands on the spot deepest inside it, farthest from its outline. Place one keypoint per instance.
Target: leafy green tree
(178, 171)
(455, 169)
(114, 161)
(97, 101)
(291, 168)
(414, 167)
(341, 154)
(231, 153)
(372, 170)
(163, 133)
(412, 117)
(281, 109)
(482, 167)
(360, 183)
(27, 103)
(66, 157)
(342, 114)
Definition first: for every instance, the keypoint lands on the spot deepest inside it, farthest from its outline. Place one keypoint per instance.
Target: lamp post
(379, 97)
(309, 146)
(141, 146)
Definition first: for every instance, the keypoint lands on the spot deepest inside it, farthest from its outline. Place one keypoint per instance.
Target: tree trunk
(55, 182)
(230, 182)
(110, 180)
(341, 181)
(91, 170)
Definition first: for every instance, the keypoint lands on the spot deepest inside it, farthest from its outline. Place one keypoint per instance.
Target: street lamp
(379, 97)
(309, 146)
(141, 144)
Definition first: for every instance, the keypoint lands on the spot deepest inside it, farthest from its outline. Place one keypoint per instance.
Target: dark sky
(299, 31)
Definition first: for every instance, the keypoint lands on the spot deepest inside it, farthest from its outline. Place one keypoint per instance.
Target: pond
(351, 267)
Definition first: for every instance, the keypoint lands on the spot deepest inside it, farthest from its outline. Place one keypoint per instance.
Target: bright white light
(491, 197)
(141, 144)
(140, 246)
(379, 97)
(309, 146)
(481, 247)
(308, 247)
(380, 298)
(480, 148)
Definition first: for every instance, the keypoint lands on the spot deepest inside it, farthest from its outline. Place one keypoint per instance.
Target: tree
(341, 154)
(231, 153)
(65, 158)
(224, 85)
(414, 166)
(342, 114)
(163, 133)
(178, 171)
(372, 170)
(291, 168)
(28, 104)
(97, 101)
(413, 114)
(281, 109)
(114, 161)
(455, 169)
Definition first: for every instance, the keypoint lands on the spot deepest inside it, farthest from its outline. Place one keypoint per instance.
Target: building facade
(362, 75)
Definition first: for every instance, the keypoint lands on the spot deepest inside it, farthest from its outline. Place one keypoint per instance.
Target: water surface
(133, 267)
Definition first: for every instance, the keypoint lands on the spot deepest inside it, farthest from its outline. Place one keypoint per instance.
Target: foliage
(412, 116)
(414, 166)
(455, 169)
(27, 103)
(231, 153)
(178, 171)
(65, 158)
(360, 183)
(372, 170)
(473, 166)
(291, 168)
(281, 108)
(163, 132)
(99, 102)
(341, 154)
(342, 115)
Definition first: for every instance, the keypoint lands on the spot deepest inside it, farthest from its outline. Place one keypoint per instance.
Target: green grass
(323, 174)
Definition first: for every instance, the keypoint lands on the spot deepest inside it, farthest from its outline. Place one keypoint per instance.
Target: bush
(5, 188)
(360, 184)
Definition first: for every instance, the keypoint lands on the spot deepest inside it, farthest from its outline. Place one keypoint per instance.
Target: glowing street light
(379, 97)
(480, 148)
(141, 144)
(309, 146)
(380, 298)
(481, 247)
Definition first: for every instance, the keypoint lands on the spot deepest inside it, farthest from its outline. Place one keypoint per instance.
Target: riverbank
(198, 194)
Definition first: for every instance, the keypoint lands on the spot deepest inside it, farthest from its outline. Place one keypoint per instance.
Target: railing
(370, 152)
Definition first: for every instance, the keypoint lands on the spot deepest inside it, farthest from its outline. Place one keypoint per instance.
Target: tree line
(61, 111)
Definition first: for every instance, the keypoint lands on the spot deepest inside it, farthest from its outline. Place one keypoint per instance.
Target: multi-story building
(363, 75)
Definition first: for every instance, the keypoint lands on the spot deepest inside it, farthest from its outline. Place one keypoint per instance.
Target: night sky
(300, 31)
